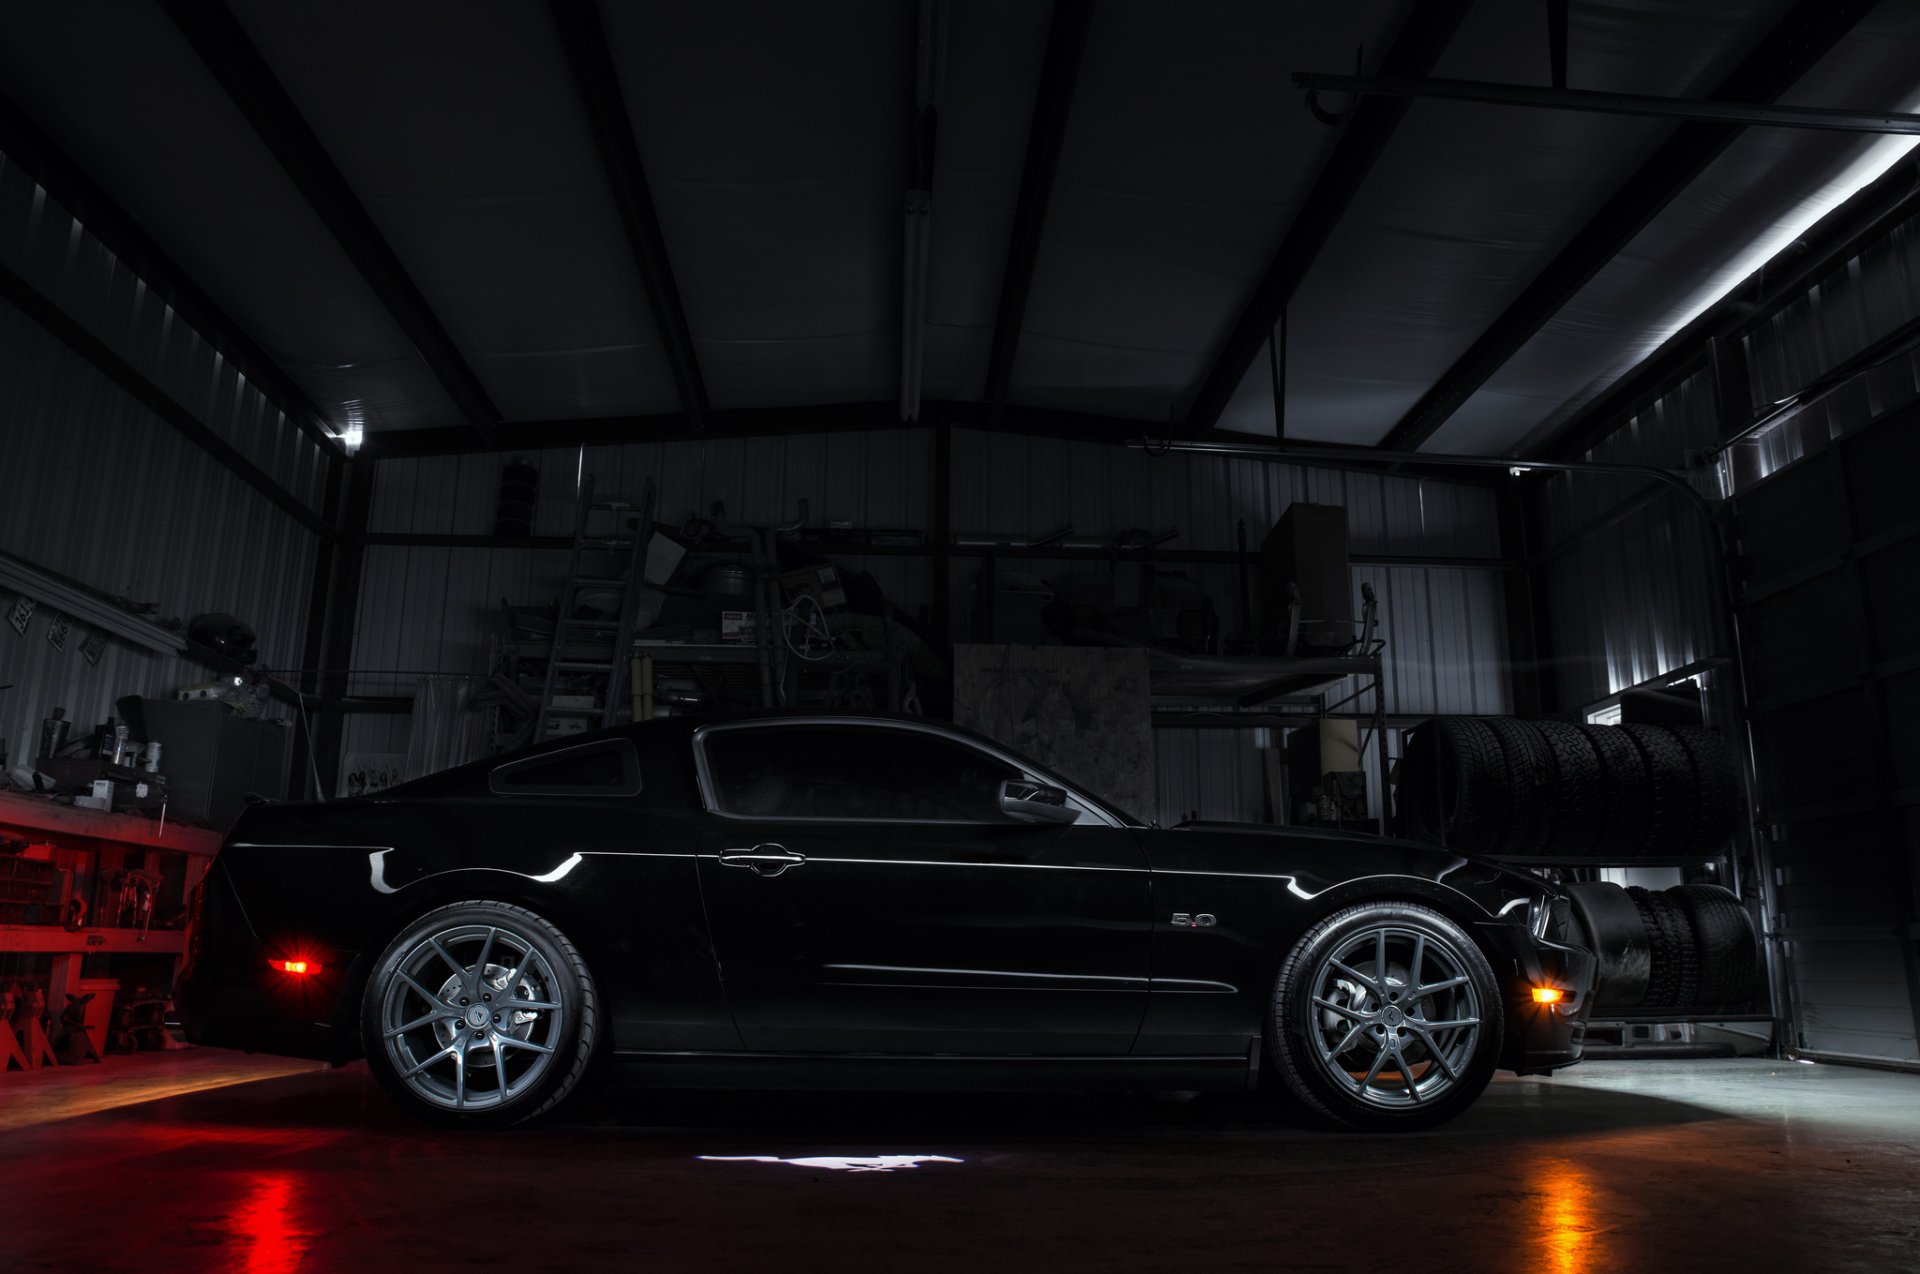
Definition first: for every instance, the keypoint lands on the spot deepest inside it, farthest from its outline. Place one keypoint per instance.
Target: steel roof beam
(1364, 136)
(36, 154)
(1052, 104)
(1833, 119)
(1787, 52)
(584, 40)
(773, 422)
(216, 35)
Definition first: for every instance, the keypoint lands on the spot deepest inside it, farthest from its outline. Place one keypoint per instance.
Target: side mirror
(1031, 802)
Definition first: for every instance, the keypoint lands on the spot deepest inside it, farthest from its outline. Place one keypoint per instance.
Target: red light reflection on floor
(272, 1235)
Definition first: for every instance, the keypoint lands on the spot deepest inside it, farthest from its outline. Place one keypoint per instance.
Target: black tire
(1575, 830)
(1316, 1048)
(1615, 932)
(1717, 784)
(1673, 796)
(1529, 782)
(1729, 957)
(1674, 977)
(1624, 794)
(1454, 792)
(544, 1025)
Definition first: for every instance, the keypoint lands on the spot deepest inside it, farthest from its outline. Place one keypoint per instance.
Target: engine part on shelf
(225, 634)
(1617, 937)
(1538, 789)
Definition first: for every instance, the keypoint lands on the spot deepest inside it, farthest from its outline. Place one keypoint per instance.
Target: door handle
(763, 860)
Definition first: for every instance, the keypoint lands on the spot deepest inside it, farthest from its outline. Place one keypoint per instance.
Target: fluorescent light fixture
(353, 436)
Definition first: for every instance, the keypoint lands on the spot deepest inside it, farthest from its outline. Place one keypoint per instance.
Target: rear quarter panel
(341, 880)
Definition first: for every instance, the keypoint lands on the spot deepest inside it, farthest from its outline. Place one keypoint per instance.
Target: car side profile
(785, 899)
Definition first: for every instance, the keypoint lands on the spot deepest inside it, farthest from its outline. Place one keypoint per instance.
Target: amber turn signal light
(294, 966)
(1548, 995)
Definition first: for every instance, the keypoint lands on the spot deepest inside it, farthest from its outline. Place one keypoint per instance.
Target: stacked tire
(1691, 946)
(1498, 785)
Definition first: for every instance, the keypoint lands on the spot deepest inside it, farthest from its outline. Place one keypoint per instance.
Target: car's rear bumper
(234, 996)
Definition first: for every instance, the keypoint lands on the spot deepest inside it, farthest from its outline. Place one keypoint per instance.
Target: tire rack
(1726, 866)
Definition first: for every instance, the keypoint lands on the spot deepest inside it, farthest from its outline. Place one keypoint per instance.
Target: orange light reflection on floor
(1569, 1238)
(267, 1225)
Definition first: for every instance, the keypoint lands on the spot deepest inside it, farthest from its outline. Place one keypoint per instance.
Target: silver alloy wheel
(1396, 1018)
(471, 1017)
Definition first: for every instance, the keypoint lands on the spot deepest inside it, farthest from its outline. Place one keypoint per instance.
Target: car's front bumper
(1546, 1037)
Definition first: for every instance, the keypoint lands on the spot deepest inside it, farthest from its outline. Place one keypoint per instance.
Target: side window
(609, 767)
(852, 772)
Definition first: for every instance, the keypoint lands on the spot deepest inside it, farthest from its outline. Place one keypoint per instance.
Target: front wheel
(1386, 1017)
(479, 1014)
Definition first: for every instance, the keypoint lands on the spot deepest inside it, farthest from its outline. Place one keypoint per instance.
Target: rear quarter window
(608, 767)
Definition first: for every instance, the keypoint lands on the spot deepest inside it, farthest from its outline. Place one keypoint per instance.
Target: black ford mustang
(791, 900)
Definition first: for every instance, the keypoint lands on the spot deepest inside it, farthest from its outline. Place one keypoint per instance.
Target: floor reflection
(1569, 1240)
(268, 1225)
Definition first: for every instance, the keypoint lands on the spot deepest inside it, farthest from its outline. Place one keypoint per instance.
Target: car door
(867, 894)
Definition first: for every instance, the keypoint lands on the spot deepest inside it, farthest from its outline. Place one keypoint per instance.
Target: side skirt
(929, 1074)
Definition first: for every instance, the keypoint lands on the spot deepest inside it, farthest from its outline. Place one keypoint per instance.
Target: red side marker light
(294, 966)
(1548, 995)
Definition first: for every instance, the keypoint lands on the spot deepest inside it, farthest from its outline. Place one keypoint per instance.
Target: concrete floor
(206, 1160)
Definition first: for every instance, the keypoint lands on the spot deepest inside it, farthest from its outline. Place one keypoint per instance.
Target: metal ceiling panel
(775, 138)
(124, 95)
(1747, 205)
(461, 134)
(1469, 202)
(1185, 157)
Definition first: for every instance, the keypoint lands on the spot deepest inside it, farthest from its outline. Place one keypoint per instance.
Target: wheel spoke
(1379, 1060)
(515, 1042)
(1353, 1015)
(1358, 1031)
(1433, 1051)
(416, 1024)
(1445, 984)
(1419, 959)
(1446, 1026)
(526, 958)
(1406, 1072)
(429, 996)
(480, 965)
(459, 970)
(1380, 959)
(531, 1006)
(500, 1067)
(1356, 975)
(442, 1055)
(459, 1074)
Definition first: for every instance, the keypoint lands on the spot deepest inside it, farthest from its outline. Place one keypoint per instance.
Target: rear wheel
(1386, 1017)
(480, 1014)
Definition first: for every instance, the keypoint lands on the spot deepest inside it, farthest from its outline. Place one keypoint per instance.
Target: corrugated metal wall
(96, 488)
(433, 608)
(1628, 599)
(1827, 563)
